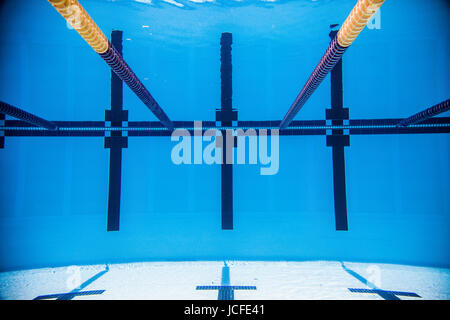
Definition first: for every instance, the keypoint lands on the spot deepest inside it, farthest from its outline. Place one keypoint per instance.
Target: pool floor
(228, 280)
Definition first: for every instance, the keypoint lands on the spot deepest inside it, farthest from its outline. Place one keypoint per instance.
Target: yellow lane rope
(363, 11)
(80, 20)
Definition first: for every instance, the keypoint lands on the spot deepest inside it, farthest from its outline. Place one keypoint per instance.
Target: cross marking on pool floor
(385, 294)
(226, 291)
(77, 291)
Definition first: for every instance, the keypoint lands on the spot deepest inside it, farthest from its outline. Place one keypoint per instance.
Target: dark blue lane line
(116, 141)
(15, 128)
(338, 141)
(77, 291)
(339, 187)
(226, 115)
(240, 124)
(385, 294)
(225, 290)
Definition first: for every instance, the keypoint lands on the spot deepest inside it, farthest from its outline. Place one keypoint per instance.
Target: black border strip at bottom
(271, 309)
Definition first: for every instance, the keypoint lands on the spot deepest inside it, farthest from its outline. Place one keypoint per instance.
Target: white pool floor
(241, 280)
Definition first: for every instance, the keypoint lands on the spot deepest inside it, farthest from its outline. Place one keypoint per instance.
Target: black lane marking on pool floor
(69, 296)
(385, 294)
(77, 291)
(225, 290)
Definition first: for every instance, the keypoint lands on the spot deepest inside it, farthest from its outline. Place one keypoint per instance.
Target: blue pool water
(54, 190)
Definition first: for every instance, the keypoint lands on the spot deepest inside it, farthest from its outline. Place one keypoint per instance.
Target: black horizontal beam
(17, 128)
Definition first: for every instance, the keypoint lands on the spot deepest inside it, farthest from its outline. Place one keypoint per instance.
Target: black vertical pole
(337, 114)
(226, 115)
(226, 77)
(116, 141)
(340, 196)
(227, 193)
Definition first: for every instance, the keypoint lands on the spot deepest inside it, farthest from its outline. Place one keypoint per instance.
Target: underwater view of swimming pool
(224, 150)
